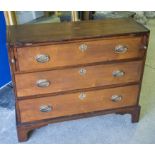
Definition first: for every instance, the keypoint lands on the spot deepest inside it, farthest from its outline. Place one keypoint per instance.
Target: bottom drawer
(77, 103)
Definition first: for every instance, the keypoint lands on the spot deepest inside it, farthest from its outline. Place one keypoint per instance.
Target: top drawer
(71, 54)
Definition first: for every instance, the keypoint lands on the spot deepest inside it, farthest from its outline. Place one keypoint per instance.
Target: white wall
(27, 16)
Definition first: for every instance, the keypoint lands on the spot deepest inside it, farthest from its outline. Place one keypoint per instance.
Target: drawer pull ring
(42, 58)
(82, 71)
(82, 96)
(43, 83)
(121, 49)
(116, 98)
(118, 73)
(83, 47)
(45, 108)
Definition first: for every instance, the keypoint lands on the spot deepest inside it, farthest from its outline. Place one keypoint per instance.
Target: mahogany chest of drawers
(66, 71)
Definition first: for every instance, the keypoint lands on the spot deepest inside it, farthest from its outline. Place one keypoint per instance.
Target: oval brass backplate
(43, 83)
(45, 108)
(121, 49)
(42, 58)
(116, 98)
(118, 73)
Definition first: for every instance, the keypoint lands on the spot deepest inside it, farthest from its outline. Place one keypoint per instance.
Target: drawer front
(52, 56)
(56, 81)
(77, 103)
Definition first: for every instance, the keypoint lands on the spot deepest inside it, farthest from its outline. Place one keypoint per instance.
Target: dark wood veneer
(56, 32)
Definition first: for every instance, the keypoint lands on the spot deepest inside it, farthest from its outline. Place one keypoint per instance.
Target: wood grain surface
(70, 79)
(63, 55)
(70, 104)
(20, 35)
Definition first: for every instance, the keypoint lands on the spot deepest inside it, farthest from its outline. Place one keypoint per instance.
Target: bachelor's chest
(66, 71)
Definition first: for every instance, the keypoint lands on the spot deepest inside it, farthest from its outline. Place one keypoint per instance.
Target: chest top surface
(57, 32)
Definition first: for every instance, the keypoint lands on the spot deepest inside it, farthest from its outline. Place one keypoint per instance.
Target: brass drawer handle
(45, 108)
(83, 47)
(121, 49)
(42, 58)
(118, 73)
(82, 96)
(43, 83)
(82, 71)
(116, 98)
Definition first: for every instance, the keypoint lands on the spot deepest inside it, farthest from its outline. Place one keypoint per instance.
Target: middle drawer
(55, 81)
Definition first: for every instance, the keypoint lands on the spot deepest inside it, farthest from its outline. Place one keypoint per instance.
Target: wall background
(5, 76)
